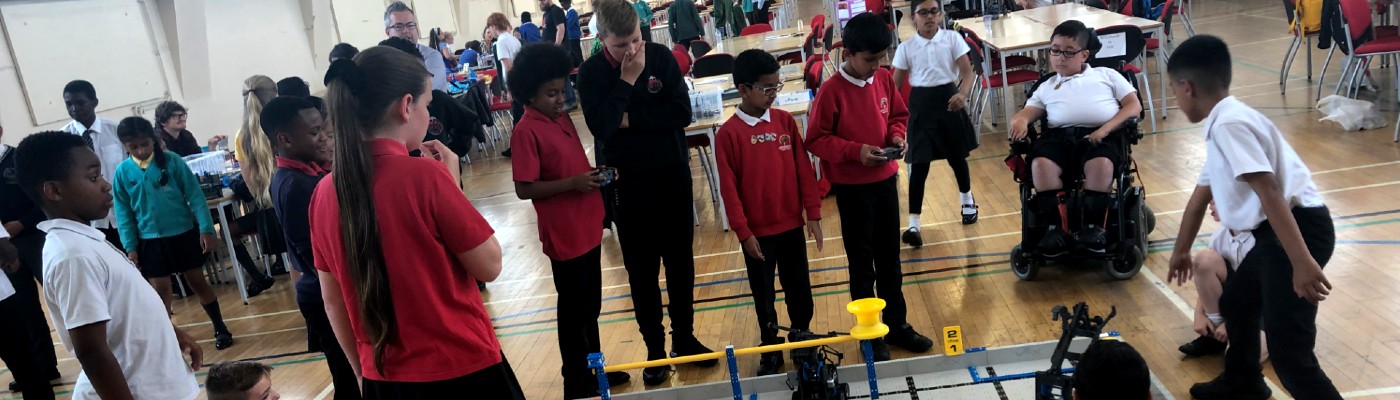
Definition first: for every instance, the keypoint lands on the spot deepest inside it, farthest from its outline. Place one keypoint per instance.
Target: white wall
(208, 47)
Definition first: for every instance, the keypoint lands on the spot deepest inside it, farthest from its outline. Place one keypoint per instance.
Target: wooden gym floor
(960, 277)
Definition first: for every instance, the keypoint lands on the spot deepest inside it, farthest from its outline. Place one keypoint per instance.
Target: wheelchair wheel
(1022, 266)
(1127, 265)
(1149, 219)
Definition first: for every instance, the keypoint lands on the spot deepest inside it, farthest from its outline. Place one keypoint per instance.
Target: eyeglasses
(1064, 53)
(768, 90)
(928, 12)
(403, 27)
(179, 115)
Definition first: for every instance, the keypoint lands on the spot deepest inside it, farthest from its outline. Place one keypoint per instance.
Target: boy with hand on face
(637, 106)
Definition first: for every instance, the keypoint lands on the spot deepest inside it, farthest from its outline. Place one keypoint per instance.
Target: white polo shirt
(1232, 246)
(87, 281)
(1239, 141)
(1084, 100)
(931, 62)
(109, 150)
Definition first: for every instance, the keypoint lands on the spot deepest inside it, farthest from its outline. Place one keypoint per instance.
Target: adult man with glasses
(400, 21)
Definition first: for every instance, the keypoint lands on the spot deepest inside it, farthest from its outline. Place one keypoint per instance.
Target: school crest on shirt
(885, 105)
(765, 138)
(653, 85)
(785, 142)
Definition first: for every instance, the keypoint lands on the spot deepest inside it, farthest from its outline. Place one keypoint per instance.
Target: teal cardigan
(145, 210)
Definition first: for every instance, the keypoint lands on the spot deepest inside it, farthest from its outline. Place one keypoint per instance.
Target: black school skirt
(162, 257)
(934, 132)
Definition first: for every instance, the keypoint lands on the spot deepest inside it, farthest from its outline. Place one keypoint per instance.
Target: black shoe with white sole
(969, 214)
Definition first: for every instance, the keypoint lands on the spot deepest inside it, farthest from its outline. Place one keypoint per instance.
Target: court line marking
(326, 392)
(1002, 215)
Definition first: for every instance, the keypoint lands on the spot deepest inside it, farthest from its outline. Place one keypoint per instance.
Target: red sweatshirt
(764, 175)
(845, 116)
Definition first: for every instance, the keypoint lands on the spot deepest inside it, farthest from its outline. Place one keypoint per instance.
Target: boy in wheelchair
(1086, 110)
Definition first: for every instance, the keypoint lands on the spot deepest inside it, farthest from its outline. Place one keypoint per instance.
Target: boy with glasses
(767, 183)
(1085, 107)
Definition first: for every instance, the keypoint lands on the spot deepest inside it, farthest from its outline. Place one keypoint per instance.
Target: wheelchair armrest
(1131, 130)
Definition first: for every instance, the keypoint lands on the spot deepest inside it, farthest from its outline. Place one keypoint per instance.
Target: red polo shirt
(543, 149)
(424, 221)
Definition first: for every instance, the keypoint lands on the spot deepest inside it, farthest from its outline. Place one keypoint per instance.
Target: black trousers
(318, 327)
(653, 209)
(870, 231)
(18, 354)
(28, 312)
(646, 33)
(575, 51)
(1263, 287)
(579, 282)
(494, 382)
(788, 252)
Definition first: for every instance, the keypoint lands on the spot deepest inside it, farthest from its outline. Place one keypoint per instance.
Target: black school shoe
(969, 214)
(1054, 243)
(905, 337)
(912, 238)
(1202, 346)
(689, 346)
(1092, 239)
(256, 288)
(223, 340)
(771, 363)
(653, 376)
(879, 350)
(1220, 389)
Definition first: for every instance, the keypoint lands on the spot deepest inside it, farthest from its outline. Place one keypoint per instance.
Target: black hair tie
(346, 71)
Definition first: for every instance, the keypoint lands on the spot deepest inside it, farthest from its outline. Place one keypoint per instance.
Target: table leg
(1162, 70)
(714, 180)
(237, 268)
(1005, 92)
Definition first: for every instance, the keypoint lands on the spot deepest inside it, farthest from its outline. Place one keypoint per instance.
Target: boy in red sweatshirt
(767, 182)
(854, 116)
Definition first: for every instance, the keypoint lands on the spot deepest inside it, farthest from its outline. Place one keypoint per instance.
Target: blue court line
(1152, 244)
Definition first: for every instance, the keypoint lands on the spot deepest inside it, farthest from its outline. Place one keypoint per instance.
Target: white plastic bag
(1352, 114)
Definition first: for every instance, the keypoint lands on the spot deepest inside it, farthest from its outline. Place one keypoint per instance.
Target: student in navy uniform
(100, 135)
(767, 183)
(856, 114)
(529, 32)
(1259, 185)
(25, 343)
(637, 107)
(935, 63)
(294, 127)
(1085, 107)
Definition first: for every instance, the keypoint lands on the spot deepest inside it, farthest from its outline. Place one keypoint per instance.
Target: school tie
(87, 138)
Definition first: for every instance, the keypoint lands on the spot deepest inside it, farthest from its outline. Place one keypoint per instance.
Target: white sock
(1215, 318)
(914, 221)
(966, 198)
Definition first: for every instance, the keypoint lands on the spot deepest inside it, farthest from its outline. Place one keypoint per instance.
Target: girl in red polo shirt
(399, 281)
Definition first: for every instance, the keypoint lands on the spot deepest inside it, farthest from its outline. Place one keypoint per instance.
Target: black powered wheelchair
(1129, 218)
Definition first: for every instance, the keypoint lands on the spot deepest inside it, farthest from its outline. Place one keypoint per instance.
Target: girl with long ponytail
(399, 281)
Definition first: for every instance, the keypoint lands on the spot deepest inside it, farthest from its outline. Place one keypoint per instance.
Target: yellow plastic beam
(868, 326)
(737, 352)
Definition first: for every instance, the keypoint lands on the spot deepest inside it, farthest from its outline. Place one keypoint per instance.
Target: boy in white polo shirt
(1085, 107)
(1213, 266)
(1259, 185)
(935, 63)
(103, 310)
